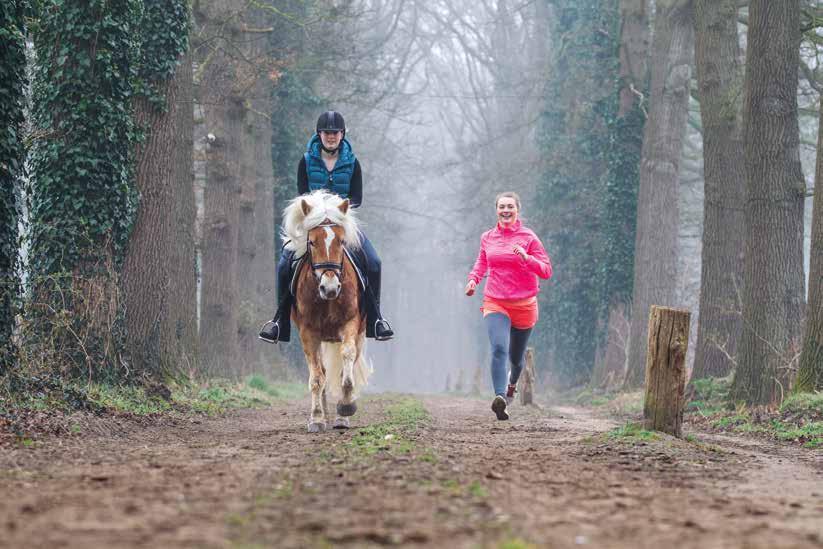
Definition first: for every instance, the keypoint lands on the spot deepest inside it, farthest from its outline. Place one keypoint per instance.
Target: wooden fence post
(666, 369)
(460, 382)
(477, 381)
(527, 388)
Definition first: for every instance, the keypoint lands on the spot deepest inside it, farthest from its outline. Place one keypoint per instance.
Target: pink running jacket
(510, 276)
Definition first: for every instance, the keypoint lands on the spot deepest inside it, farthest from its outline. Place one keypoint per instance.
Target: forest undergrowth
(798, 420)
(31, 406)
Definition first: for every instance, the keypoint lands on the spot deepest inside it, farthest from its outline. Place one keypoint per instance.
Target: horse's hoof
(346, 410)
(316, 427)
(341, 423)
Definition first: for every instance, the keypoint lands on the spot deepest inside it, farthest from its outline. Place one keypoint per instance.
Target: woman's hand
(521, 252)
(470, 287)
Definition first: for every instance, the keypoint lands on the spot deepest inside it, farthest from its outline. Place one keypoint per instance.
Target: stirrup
(271, 335)
(382, 330)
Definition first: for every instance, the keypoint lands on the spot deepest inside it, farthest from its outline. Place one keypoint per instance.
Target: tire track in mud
(550, 478)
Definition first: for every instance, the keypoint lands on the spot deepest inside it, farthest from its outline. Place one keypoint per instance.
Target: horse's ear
(344, 206)
(306, 207)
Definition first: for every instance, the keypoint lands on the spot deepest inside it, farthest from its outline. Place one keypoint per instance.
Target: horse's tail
(332, 356)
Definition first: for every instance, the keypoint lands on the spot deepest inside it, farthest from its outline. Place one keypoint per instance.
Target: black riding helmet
(331, 121)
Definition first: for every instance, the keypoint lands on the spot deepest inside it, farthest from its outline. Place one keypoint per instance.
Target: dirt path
(547, 478)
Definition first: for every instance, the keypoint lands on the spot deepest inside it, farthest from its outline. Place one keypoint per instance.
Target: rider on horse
(329, 163)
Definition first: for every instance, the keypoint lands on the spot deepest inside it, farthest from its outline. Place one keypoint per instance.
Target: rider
(329, 163)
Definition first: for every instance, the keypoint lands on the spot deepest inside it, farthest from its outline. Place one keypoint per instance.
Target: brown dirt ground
(548, 477)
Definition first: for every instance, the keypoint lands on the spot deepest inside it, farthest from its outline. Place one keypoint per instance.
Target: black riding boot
(376, 326)
(279, 327)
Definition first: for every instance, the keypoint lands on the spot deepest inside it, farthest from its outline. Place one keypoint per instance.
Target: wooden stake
(527, 387)
(666, 369)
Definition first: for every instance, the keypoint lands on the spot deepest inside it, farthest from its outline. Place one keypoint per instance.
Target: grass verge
(631, 431)
(798, 420)
(613, 403)
(45, 405)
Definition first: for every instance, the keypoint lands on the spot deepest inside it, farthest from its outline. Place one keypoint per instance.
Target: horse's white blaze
(329, 240)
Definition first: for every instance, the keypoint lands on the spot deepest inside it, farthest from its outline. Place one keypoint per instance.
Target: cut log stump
(666, 369)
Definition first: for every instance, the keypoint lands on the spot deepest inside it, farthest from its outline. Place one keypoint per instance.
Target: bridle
(336, 268)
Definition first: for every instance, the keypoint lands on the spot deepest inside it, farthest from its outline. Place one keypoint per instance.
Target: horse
(322, 230)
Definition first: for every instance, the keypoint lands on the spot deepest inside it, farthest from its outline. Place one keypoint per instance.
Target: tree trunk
(634, 53)
(181, 325)
(80, 194)
(621, 191)
(720, 84)
(145, 270)
(13, 66)
(810, 377)
(256, 243)
(667, 344)
(223, 114)
(655, 269)
(574, 132)
(773, 264)
(612, 368)
(246, 249)
(263, 266)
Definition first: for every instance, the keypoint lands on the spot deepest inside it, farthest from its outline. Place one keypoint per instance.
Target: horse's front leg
(317, 382)
(349, 353)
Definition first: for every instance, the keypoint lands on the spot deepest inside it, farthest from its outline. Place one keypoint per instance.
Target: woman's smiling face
(506, 210)
(331, 138)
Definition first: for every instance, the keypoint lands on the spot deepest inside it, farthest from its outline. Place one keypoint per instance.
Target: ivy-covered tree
(574, 134)
(626, 122)
(152, 341)
(12, 82)
(81, 201)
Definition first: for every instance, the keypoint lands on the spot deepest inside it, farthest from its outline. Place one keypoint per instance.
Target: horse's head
(325, 253)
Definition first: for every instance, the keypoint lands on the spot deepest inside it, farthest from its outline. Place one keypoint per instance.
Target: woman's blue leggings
(506, 342)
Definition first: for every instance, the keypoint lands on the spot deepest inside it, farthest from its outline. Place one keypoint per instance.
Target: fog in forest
(445, 105)
(591, 111)
(454, 125)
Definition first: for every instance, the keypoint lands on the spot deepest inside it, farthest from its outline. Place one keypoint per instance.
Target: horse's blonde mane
(324, 205)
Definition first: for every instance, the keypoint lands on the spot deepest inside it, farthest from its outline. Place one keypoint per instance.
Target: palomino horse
(320, 227)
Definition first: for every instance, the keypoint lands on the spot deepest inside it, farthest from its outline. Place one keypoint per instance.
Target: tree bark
(181, 318)
(655, 270)
(246, 249)
(773, 264)
(810, 377)
(223, 115)
(634, 53)
(256, 241)
(145, 275)
(720, 84)
(627, 145)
